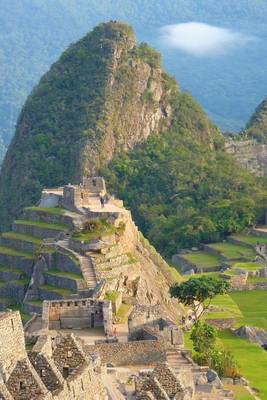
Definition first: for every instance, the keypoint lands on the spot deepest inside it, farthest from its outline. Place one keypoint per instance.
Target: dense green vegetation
(257, 126)
(34, 33)
(182, 193)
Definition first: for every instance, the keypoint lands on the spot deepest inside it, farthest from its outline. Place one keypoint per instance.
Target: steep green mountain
(103, 96)
(34, 33)
(108, 99)
(183, 193)
(257, 125)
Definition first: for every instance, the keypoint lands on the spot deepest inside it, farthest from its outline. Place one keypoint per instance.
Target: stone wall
(24, 264)
(63, 262)
(35, 230)
(12, 343)
(131, 353)
(23, 245)
(77, 314)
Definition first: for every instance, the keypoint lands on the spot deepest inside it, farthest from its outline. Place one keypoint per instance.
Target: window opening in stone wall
(94, 182)
(84, 303)
(82, 195)
(68, 303)
(66, 372)
(76, 303)
(22, 385)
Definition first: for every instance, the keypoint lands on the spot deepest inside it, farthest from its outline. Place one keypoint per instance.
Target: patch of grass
(52, 210)
(251, 358)
(257, 279)
(63, 274)
(223, 306)
(233, 251)
(123, 312)
(41, 224)
(24, 316)
(252, 305)
(13, 252)
(4, 268)
(38, 303)
(62, 291)
(112, 296)
(131, 258)
(240, 392)
(100, 228)
(7, 301)
(249, 239)
(202, 259)
(248, 266)
(23, 237)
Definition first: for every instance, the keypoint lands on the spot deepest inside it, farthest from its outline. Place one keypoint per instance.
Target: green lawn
(123, 312)
(253, 306)
(233, 251)
(4, 268)
(202, 259)
(9, 251)
(40, 224)
(62, 291)
(248, 266)
(249, 239)
(63, 274)
(251, 358)
(224, 307)
(23, 237)
(240, 392)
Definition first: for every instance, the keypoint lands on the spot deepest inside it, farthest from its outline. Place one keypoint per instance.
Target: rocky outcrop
(250, 154)
(253, 334)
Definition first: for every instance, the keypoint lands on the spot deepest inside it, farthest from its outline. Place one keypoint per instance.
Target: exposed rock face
(256, 335)
(250, 154)
(251, 151)
(104, 95)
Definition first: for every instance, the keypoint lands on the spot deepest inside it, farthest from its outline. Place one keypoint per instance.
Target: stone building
(77, 314)
(147, 322)
(56, 368)
(74, 196)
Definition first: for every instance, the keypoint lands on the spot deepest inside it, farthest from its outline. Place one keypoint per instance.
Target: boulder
(213, 378)
(253, 334)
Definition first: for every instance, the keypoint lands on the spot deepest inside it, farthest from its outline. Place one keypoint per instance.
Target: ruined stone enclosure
(55, 368)
(77, 314)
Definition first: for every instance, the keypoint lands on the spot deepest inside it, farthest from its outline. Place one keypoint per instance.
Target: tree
(197, 293)
(203, 337)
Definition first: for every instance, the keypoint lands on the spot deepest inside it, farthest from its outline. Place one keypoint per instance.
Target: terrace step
(49, 215)
(14, 289)
(5, 302)
(33, 306)
(9, 273)
(58, 279)
(20, 241)
(38, 228)
(17, 259)
(49, 292)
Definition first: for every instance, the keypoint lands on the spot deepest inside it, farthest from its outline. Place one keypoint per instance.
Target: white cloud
(201, 39)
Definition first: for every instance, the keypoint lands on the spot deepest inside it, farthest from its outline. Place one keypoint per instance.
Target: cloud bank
(200, 39)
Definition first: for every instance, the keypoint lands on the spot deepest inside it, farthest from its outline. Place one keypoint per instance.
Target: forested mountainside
(182, 193)
(103, 98)
(33, 34)
(257, 125)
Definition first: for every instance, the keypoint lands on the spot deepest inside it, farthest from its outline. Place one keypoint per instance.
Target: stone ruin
(55, 368)
(77, 314)
(73, 197)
